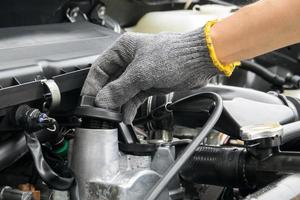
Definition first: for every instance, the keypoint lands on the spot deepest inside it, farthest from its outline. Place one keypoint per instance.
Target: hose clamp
(54, 91)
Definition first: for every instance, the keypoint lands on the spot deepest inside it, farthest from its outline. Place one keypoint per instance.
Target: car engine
(233, 139)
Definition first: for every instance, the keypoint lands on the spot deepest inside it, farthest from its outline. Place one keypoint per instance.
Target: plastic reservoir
(180, 20)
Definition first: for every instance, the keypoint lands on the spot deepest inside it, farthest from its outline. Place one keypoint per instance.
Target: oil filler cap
(88, 109)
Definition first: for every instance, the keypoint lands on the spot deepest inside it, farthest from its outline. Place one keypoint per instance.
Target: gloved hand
(140, 65)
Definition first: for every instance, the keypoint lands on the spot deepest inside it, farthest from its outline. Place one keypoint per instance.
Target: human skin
(256, 29)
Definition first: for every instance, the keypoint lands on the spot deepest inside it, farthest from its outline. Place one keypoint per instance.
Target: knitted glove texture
(137, 66)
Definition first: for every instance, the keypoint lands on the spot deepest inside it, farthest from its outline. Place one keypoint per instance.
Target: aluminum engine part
(162, 160)
(104, 174)
(95, 156)
(286, 188)
(127, 185)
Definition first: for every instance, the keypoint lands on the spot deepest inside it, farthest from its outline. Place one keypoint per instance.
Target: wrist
(220, 62)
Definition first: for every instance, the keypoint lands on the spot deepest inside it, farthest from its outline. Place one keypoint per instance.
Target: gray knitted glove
(141, 65)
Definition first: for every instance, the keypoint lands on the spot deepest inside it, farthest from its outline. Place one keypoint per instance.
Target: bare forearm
(257, 29)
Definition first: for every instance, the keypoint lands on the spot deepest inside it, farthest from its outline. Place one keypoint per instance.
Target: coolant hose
(190, 149)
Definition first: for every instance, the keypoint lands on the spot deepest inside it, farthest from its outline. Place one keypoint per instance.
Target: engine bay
(235, 138)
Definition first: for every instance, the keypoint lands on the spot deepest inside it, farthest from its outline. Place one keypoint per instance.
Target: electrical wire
(190, 149)
(50, 177)
(291, 80)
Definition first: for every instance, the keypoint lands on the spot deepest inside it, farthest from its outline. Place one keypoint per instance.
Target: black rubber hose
(50, 177)
(283, 163)
(190, 149)
(263, 73)
(12, 150)
(15, 147)
(215, 166)
(291, 131)
(234, 167)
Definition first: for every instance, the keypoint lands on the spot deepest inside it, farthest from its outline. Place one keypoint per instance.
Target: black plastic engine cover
(29, 51)
(242, 107)
(61, 52)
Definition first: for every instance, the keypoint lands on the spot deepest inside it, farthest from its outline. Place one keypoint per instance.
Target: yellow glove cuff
(226, 69)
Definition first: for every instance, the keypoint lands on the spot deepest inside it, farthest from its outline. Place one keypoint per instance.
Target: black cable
(263, 73)
(154, 115)
(50, 177)
(15, 147)
(190, 149)
(33, 120)
(273, 78)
